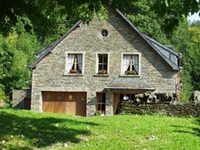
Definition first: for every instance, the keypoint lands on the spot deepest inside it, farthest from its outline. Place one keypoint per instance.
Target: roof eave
(30, 67)
(176, 68)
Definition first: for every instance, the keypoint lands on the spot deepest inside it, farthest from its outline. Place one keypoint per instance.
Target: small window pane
(100, 59)
(105, 66)
(104, 32)
(100, 67)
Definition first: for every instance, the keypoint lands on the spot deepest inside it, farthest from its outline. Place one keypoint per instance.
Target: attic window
(104, 32)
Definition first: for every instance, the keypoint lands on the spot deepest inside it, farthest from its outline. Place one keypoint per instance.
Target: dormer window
(74, 64)
(131, 64)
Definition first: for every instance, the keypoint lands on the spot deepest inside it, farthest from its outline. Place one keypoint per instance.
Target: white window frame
(66, 62)
(97, 62)
(129, 53)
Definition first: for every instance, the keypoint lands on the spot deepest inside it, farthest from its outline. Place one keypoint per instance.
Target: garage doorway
(73, 103)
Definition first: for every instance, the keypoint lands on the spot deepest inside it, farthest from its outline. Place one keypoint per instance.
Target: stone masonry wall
(49, 74)
(187, 109)
(196, 96)
(21, 99)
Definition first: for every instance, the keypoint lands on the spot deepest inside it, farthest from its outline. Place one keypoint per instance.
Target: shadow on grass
(189, 130)
(40, 132)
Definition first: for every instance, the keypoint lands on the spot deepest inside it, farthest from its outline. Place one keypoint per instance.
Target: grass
(27, 130)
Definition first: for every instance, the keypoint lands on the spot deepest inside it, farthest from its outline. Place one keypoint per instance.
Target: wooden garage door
(73, 103)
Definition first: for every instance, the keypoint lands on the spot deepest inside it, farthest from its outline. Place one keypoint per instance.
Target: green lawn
(28, 130)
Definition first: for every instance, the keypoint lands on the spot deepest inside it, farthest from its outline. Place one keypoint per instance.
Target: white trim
(97, 62)
(83, 63)
(130, 53)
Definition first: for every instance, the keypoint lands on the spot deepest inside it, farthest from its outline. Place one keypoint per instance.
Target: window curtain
(80, 60)
(70, 61)
(126, 59)
(135, 59)
(126, 62)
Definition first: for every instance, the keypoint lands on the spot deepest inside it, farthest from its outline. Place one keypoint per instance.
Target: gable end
(160, 49)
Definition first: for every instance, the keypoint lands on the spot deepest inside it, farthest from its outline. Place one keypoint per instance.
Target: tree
(16, 51)
(174, 11)
(186, 40)
(5, 65)
(194, 55)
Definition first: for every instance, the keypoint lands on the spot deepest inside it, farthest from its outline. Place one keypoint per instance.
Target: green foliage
(186, 40)
(16, 51)
(5, 65)
(194, 55)
(2, 94)
(22, 47)
(147, 20)
(56, 15)
(173, 11)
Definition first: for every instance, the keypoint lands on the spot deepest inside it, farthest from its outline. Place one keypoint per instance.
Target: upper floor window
(102, 64)
(74, 63)
(131, 64)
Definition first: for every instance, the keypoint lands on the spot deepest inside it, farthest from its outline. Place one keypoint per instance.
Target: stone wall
(49, 74)
(21, 99)
(196, 96)
(186, 109)
(178, 85)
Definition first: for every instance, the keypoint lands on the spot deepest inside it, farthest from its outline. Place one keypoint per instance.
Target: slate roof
(169, 55)
(130, 83)
(164, 52)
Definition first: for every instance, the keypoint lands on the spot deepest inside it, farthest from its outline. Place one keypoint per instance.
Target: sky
(193, 17)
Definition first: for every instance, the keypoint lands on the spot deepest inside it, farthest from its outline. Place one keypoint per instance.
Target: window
(74, 63)
(130, 64)
(104, 32)
(101, 102)
(102, 64)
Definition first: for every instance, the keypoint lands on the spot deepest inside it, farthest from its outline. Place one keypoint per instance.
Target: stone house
(94, 66)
